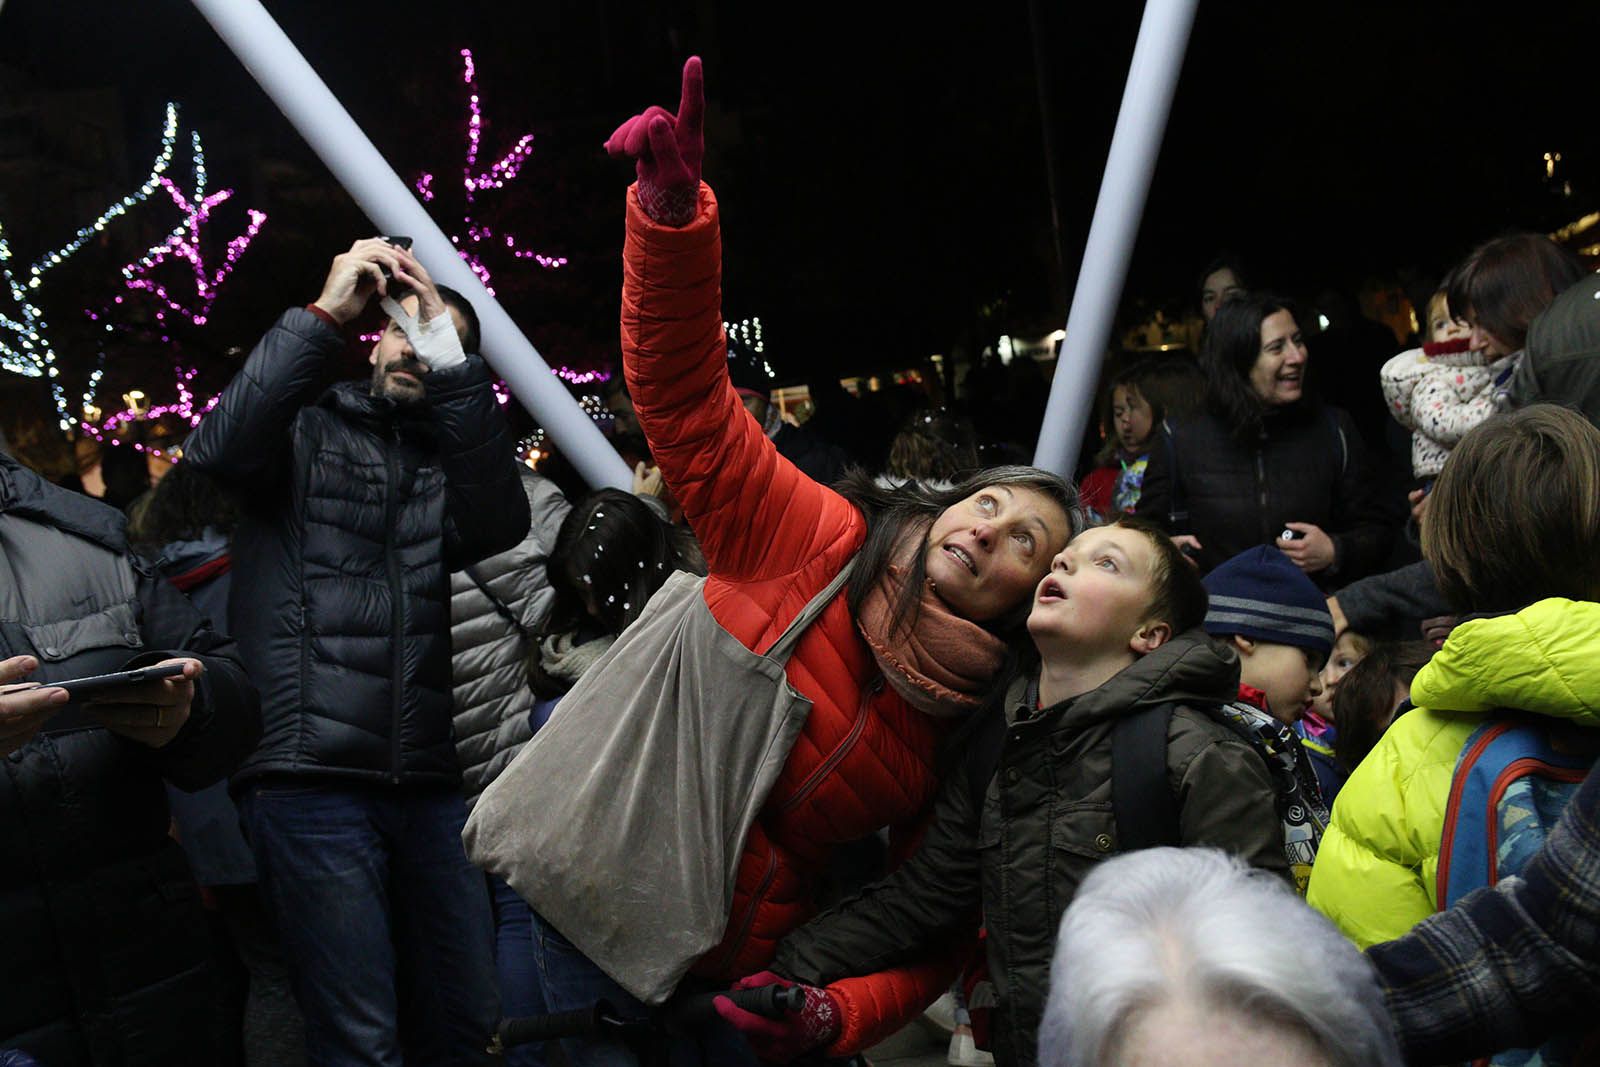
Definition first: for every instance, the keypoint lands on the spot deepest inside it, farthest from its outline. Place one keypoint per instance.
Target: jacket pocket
(1087, 830)
(115, 627)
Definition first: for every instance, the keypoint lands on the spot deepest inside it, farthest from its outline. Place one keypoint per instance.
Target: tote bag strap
(784, 645)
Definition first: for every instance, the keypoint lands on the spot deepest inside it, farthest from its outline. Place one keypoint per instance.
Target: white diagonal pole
(1146, 100)
(272, 59)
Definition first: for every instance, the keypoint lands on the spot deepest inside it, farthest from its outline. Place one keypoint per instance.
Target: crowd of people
(1248, 747)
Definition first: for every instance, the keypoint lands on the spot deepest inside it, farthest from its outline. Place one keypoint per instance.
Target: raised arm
(244, 440)
(736, 491)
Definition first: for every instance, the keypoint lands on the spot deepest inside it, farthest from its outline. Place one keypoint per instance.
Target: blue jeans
(516, 967)
(571, 981)
(385, 924)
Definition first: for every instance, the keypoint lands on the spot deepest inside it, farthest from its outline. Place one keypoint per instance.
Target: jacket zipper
(1268, 534)
(305, 646)
(749, 917)
(815, 778)
(396, 597)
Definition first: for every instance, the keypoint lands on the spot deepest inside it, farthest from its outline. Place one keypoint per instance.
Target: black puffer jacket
(103, 948)
(355, 512)
(1306, 465)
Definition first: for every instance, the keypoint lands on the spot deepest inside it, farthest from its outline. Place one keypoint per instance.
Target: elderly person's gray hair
(1195, 928)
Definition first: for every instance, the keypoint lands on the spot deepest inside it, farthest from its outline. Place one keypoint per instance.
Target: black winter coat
(103, 948)
(1307, 464)
(356, 510)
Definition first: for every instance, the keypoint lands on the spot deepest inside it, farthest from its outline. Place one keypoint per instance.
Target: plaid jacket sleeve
(1510, 963)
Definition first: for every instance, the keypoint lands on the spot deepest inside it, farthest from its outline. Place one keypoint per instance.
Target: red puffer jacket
(772, 539)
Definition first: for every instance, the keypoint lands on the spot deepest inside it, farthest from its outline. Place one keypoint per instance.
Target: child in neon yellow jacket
(1514, 517)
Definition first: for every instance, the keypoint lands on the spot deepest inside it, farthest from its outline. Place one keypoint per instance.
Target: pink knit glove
(668, 150)
(785, 1039)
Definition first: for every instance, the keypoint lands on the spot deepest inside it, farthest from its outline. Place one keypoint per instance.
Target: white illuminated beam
(1146, 100)
(269, 55)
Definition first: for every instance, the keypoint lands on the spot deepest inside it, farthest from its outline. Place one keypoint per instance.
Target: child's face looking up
(1132, 417)
(1097, 596)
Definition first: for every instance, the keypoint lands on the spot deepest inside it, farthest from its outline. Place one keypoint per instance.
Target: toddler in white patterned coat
(1441, 390)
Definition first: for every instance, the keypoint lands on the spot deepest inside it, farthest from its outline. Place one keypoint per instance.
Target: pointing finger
(692, 101)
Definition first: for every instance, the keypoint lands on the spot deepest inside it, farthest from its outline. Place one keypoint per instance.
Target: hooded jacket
(105, 954)
(1046, 820)
(354, 511)
(489, 656)
(1376, 873)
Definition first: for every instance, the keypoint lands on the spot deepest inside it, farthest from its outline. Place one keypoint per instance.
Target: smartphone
(83, 688)
(397, 242)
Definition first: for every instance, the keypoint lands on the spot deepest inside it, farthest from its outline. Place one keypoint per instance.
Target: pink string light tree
(483, 228)
(477, 236)
(164, 294)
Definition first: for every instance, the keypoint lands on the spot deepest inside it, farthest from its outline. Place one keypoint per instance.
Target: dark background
(882, 171)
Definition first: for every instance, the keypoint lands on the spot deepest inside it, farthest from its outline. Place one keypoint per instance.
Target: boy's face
(1349, 650)
(1097, 596)
(1287, 674)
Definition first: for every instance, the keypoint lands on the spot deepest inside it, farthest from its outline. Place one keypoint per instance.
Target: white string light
(28, 350)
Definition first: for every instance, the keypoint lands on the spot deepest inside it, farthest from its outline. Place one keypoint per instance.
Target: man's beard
(385, 385)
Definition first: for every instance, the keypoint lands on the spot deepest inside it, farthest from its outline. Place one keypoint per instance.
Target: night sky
(882, 174)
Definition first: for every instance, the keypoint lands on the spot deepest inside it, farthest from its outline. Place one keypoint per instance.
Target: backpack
(1142, 804)
(1511, 783)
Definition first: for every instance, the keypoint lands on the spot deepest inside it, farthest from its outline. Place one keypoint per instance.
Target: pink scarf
(943, 664)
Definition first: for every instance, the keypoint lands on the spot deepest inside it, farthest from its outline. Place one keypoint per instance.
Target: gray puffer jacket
(489, 676)
(104, 957)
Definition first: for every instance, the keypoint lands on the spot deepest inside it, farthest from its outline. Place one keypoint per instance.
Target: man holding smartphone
(358, 502)
(106, 957)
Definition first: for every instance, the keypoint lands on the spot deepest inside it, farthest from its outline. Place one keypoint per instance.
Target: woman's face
(1481, 340)
(1278, 376)
(986, 553)
(1218, 286)
(1132, 417)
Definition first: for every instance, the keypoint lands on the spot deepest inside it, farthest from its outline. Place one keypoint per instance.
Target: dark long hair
(1167, 384)
(1364, 703)
(898, 515)
(1505, 283)
(180, 507)
(1232, 346)
(614, 552)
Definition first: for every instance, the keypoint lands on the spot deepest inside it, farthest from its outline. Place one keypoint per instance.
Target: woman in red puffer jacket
(892, 667)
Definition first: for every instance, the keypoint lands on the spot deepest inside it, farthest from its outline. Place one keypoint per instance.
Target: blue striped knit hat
(1262, 595)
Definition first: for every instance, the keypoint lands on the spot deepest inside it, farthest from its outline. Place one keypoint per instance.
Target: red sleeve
(1096, 488)
(333, 323)
(756, 516)
(875, 1006)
